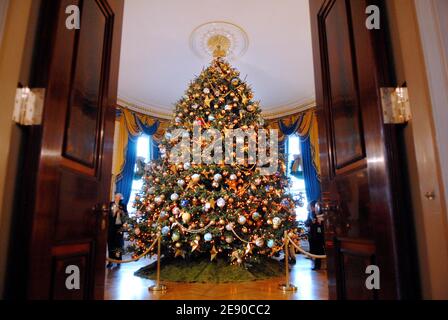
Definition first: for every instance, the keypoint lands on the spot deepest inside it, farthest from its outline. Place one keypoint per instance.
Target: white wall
(433, 23)
(11, 53)
(3, 9)
(424, 161)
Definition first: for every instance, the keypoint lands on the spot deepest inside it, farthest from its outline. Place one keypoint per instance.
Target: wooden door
(369, 221)
(70, 181)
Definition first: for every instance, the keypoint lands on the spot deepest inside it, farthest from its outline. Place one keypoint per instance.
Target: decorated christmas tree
(201, 197)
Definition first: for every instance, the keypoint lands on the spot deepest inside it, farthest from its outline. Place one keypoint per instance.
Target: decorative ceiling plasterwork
(164, 46)
(237, 37)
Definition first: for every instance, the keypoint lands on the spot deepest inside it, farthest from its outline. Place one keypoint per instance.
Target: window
(143, 154)
(295, 173)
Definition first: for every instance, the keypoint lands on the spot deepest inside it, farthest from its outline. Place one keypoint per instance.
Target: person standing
(316, 237)
(115, 240)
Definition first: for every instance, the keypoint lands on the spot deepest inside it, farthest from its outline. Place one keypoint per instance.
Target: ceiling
(157, 61)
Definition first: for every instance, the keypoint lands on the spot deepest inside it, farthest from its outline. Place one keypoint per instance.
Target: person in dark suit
(115, 240)
(316, 237)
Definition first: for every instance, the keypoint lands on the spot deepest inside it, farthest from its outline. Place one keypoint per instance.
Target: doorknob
(324, 207)
(430, 195)
(103, 209)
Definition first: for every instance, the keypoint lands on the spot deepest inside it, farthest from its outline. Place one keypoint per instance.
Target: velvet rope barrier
(137, 258)
(314, 256)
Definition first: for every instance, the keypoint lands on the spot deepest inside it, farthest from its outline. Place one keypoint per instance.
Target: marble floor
(121, 284)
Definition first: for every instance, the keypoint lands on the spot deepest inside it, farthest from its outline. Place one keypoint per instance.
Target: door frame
(419, 55)
(13, 46)
(435, 52)
(393, 232)
(18, 270)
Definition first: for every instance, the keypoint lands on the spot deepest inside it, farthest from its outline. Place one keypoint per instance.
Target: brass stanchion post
(287, 286)
(158, 287)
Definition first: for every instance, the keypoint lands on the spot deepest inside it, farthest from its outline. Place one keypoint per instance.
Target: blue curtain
(293, 128)
(124, 180)
(146, 129)
(150, 131)
(312, 184)
(154, 147)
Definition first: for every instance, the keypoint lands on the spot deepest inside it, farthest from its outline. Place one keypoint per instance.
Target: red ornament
(200, 121)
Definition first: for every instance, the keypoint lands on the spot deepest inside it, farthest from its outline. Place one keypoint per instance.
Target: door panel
(345, 120)
(83, 113)
(63, 258)
(361, 173)
(73, 179)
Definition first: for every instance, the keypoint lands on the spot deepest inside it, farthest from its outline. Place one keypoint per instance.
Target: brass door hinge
(396, 107)
(29, 105)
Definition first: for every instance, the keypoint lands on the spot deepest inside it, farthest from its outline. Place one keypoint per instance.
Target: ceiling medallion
(219, 38)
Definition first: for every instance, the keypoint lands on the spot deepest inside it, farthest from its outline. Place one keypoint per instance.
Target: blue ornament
(241, 220)
(184, 203)
(165, 230)
(270, 243)
(256, 216)
(284, 202)
(208, 237)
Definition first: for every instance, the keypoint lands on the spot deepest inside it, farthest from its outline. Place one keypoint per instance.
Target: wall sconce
(28, 106)
(396, 107)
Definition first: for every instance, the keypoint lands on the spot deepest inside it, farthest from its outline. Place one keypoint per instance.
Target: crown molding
(276, 113)
(289, 109)
(145, 109)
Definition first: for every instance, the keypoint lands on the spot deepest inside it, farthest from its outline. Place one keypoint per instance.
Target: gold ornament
(232, 185)
(186, 217)
(194, 245)
(235, 255)
(213, 253)
(179, 253)
(207, 101)
(248, 249)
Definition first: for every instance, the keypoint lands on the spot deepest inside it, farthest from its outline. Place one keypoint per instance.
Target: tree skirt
(218, 271)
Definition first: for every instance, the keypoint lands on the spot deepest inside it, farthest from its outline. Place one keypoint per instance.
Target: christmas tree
(201, 203)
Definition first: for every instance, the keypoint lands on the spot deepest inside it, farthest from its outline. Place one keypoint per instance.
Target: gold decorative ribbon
(314, 256)
(241, 239)
(134, 259)
(193, 231)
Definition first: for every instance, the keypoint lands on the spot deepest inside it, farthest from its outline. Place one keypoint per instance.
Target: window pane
(143, 151)
(143, 147)
(295, 173)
